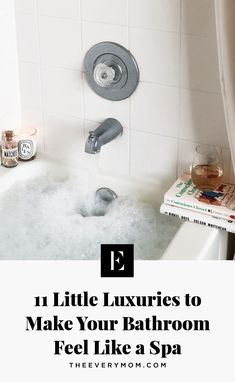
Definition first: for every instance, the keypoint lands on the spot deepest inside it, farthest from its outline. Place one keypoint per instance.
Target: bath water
(50, 218)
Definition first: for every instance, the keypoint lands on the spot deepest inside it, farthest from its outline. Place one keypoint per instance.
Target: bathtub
(191, 241)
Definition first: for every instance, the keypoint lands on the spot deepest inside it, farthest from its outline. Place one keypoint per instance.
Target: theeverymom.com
(117, 365)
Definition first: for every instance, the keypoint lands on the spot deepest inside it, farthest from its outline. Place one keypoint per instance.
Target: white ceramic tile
(186, 155)
(62, 91)
(59, 8)
(64, 137)
(9, 91)
(105, 11)
(25, 6)
(60, 42)
(33, 118)
(157, 54)
(198, 17)
(27, 37)
(232, 175)
(227, 161)
(10, 121)
(13, 88)
(199, 63)
(94, 33)
(153, 157)
(4, 91)
(109, 159)
(9, 81)
(2, 123)
(157, 14)
(8, 47)
(202, 118)
(98, 108)
(30, 85)
(155, 108)
(6, 6)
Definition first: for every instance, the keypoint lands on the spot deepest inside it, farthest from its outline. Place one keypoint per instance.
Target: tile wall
(177, 104)
(9, 78)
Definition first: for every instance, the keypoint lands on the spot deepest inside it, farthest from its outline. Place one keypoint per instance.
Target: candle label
(25, 149)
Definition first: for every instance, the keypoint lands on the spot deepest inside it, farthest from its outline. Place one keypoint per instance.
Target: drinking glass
(207, 167)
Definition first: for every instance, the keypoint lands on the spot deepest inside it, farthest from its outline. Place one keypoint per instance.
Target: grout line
(129, 99)
(40, 15)
(95, 162)
(17, 68)
(23, 13)
(160, 84)
(137, 27)
(98, 121)
(128, 22)
(6, 64)
(155, 134)
(186, 140)
(141, 81)
(104, 23)
(60, 67)
(79, 118)
(37, 17)
(180, 88)
(230, 169)
(5, 115)
(10, 11)
(82, 73)
(131, 26)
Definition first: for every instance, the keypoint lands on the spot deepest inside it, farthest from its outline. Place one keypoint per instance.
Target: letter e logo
(117, 260)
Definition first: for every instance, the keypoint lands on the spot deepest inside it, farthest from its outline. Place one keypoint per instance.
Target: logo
(117, 260)
(25, 149)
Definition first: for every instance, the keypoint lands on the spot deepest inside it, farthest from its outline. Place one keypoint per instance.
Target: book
(199, 218)
(218, 203)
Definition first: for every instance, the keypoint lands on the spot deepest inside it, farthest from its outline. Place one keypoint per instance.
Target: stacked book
(214, 209)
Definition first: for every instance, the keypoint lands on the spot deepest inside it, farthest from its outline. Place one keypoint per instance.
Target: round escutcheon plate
(111, 71)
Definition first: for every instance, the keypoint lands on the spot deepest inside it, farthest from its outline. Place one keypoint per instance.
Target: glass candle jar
(27, 143)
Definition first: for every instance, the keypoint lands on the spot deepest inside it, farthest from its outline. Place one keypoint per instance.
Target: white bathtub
(191, 242)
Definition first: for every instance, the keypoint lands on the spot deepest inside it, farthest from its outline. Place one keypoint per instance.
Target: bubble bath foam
(50, 218)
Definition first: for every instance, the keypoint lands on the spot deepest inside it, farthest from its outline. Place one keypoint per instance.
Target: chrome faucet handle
(104, 75)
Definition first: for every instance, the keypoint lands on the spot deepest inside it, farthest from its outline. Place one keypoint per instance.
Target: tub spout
(105, 133)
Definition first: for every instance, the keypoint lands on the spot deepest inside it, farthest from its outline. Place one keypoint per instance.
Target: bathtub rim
(209, 243)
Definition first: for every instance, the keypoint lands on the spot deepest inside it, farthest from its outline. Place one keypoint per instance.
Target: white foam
(42, 219)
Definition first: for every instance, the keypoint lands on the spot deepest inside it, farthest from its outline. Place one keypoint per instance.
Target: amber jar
(9, 149)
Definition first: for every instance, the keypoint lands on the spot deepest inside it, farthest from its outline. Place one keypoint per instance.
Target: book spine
(199, 209)
(198, 218)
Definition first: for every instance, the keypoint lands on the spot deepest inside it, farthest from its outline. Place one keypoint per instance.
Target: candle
(27, 143)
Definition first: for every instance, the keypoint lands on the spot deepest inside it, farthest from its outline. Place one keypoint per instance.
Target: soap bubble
(49, 218)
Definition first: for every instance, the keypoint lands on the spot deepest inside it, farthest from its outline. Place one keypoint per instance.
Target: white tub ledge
(195, 242)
